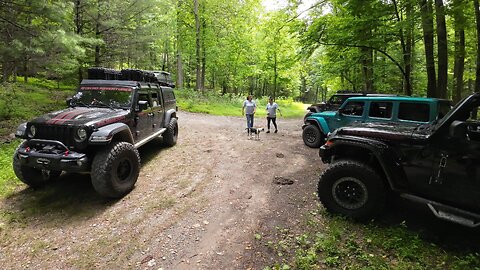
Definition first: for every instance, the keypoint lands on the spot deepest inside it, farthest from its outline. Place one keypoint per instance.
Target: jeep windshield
(103, 96)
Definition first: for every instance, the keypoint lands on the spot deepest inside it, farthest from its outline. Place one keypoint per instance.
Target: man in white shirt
(272, 108)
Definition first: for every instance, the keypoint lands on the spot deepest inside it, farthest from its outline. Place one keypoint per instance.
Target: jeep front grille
(60, 133)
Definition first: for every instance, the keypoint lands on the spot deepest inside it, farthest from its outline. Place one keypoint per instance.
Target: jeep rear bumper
(52, 155)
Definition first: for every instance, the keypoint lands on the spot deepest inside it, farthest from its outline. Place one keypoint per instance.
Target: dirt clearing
(197, 205)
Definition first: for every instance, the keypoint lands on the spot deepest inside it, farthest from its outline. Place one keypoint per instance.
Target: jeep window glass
(337, 100)
(443, 108)
(419, 112)
(354, 108)
(155, 102)
(380, 109)
(104, 97)
(144, 97)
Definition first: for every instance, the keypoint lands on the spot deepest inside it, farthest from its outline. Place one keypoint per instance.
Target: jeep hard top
(107, 120)
(337, 99)
(397, 109)
(436, 164)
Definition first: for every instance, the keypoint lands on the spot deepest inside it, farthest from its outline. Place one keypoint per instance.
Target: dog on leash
(254, 131)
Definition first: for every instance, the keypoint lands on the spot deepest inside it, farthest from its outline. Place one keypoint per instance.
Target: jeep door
(455, 176)
(158, 109)
(457, 169)
(143, 119)
(352, 111)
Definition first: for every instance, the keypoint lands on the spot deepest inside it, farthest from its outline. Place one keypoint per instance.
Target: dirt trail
(197, 205)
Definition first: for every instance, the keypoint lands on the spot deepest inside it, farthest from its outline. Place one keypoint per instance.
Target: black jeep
(107, 120)
(434, 164)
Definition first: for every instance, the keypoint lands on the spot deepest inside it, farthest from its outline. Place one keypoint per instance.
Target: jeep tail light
(66, 153)
(328, 143)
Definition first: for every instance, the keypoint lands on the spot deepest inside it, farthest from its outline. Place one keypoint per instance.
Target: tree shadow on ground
(67, 199)
(419, 219)
(151, 150)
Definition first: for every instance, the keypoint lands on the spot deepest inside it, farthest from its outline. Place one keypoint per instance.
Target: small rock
(147, 259)
(205, 222)
(279, 180)
(279, 155)
(151, 263)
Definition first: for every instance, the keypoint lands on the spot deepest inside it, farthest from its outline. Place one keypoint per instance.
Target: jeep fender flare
(386, 159)
(169, 115)
(320, 123)
(105, 134)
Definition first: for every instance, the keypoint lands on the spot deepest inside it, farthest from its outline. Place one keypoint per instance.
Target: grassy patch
(336, 243)
(8, 180)
(21, 101)
(231, 105)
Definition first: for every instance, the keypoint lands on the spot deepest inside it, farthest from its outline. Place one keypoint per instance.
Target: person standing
(249, 108)
(272, 108)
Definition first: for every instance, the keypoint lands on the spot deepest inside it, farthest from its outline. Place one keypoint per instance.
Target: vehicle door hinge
(438, 179)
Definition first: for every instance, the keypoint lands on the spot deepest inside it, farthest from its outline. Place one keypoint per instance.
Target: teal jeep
(402, 110)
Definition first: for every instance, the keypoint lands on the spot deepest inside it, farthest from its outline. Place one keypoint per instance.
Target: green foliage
(231, 105)
(8, 180)
(20, 102)
(337, 243)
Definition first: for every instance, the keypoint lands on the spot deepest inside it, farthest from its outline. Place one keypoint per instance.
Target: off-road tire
(312, 136)
(352, 189)
(31, 176)
(115, 169)
(171, 134)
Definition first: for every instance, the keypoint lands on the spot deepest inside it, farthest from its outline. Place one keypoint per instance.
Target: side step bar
(449, 213)
(149, 138)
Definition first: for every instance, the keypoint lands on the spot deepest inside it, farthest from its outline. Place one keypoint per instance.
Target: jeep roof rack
(101, 73)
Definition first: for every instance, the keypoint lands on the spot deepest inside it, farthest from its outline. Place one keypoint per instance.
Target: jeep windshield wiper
(79, 103)
(98, 103)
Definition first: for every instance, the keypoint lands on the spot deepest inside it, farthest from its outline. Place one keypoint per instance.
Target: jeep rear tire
(115, 170)
(31, 176)
(352, 189)
(171, 134)
(312, 136)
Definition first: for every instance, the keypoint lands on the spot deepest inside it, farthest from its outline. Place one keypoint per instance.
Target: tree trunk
(427, 25)
(406, 37)
(477, 72)
(367, 70)
(459, 65)
(442, 49)
(97, 35)
(179, 63)
(275, 75)
(197, 46)
(78, 31)
(204, 57)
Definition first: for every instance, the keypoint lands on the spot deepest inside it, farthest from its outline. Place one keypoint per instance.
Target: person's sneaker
(268, 131)
(276, 131)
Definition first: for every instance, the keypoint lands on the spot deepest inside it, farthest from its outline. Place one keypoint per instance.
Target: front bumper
(52, 155)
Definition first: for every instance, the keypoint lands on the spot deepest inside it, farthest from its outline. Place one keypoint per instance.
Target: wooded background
(411, 47)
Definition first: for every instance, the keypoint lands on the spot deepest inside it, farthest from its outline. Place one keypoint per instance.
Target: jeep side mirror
(341, 111)
(458, 129)
(142, 105)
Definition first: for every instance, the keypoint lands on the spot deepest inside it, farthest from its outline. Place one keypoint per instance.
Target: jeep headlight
(32, 131)
(81, 135)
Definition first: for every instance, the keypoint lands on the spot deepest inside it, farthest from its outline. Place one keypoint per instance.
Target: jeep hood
(385, 131)
(79, 116)
(324, 114)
